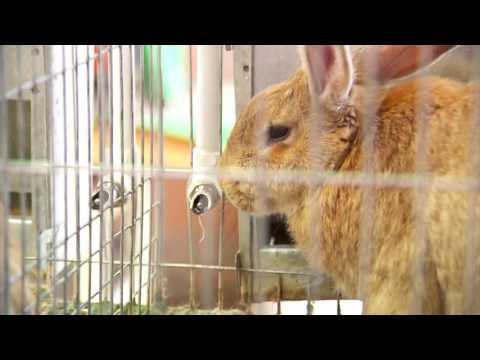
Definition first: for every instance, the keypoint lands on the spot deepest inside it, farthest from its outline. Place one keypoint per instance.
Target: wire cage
(105, 158)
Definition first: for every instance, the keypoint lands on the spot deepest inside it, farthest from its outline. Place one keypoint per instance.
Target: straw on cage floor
(104, 309)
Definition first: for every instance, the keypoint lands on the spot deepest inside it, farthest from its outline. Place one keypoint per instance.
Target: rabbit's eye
(277, 133)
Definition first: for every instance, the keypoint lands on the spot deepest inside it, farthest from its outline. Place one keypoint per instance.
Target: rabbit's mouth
(251, 204)
(238, 198)
(242, 197)
(246, 204)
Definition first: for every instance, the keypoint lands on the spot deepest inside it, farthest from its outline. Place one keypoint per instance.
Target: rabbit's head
(307, 123)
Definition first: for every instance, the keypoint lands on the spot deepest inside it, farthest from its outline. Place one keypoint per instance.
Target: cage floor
(106, 309)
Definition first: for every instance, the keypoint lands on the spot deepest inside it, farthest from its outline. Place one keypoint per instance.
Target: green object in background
(173, 66)
(174, 74)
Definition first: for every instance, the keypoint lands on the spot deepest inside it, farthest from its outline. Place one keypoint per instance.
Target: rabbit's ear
(397, 61)
(329, 69)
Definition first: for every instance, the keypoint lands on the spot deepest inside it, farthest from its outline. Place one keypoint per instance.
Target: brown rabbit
(15, 290)
(416, 253)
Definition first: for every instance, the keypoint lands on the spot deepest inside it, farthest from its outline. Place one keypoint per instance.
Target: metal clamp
(102, 196)
(203, 198)
(203, 190)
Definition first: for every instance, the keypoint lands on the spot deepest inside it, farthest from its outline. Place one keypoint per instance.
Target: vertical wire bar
(249, 69)
(339, 305)
(142, 184)
(470, 277)
(192, 292)
(309, 297)
(279, 294)
(21, 133)
(250, 275)
(190, 102)
(65, 194)
(90, 190)
(122, 161)
(220, 294)
(260, 227)
(77, 178)
(367, 208)
(132, 149)
(246, 279)
(189, 214)
(5, 136)
(37, 239)
(161, 208)
(112, 222)
(101, 94)
(53, 175)
(149, 270)
(420, 195)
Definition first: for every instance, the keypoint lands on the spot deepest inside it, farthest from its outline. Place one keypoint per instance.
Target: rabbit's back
(453, 206)
(336, 219)
(444, 153)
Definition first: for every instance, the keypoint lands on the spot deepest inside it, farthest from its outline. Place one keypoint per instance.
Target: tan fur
(326, 221)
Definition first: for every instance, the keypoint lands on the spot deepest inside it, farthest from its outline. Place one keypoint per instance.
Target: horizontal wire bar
(194, 267)
(344, 178)
(44, 168)
(199, 267)
(175, 265)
